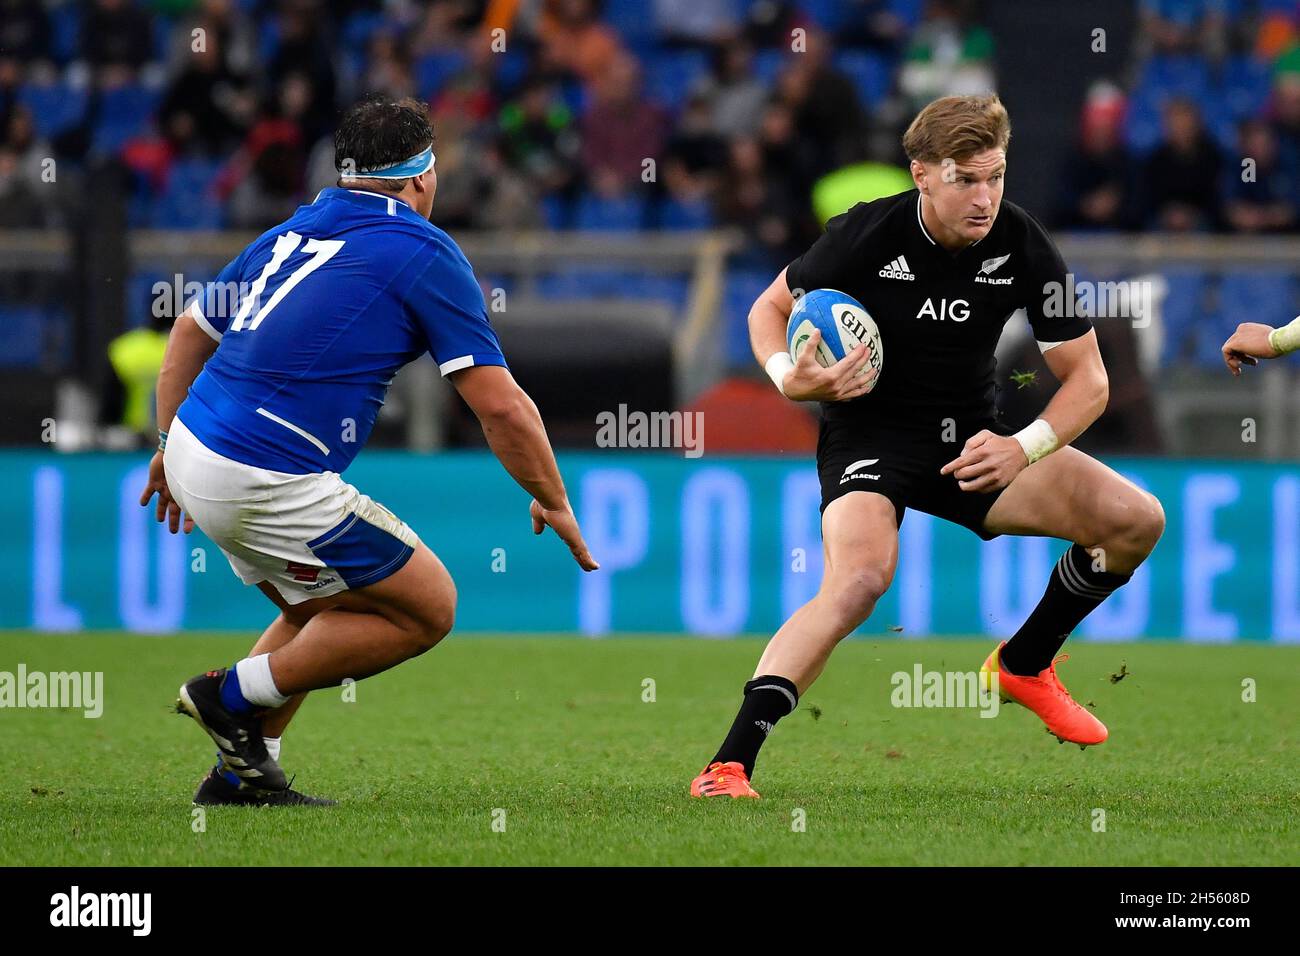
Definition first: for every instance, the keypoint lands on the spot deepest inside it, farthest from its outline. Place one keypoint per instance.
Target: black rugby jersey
(940, 313)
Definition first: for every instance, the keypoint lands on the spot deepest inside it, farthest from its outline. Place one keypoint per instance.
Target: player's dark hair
(380, 131)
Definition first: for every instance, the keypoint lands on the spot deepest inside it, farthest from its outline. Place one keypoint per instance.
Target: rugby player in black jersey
(941, 268)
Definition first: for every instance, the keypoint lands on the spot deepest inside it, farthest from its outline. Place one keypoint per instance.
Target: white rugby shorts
(308, 535)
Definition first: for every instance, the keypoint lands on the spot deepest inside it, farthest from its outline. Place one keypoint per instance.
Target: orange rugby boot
(1047, 697)
(723, 780)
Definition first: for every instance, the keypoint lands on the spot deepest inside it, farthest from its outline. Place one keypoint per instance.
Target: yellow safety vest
(137, 357)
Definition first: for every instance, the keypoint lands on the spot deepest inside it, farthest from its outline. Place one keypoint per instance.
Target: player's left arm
(1254, 341)
(188, 349)
(1069, 345)
(989, 461)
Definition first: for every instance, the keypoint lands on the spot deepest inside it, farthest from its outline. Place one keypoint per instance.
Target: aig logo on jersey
(989, 267)
(958, 310)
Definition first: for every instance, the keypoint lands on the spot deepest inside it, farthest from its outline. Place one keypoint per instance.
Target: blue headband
(417, 165)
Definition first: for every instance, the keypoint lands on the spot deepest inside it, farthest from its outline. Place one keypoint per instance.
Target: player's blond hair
(956, 128)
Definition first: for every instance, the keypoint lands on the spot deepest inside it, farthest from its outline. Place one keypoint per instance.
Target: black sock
(1074, 590)
(767, 700)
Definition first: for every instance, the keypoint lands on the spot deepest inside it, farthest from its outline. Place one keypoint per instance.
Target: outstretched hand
(167, 509)
(564, 524)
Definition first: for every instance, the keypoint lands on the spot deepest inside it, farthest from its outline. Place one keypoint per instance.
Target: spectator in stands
(824, 104)
(539, 138)
(1096, 184)
(949, 55)
(219, 102)
(223, 20)
(695, 155)
(388, 66)
(264, 180)
(1261, 198)
(32, 151)
(21, 205)
(305, 49)
(620, 130)
(1284, 116)
(116, 40)
(736, 94)
(874, 24)
(24, 31)
(763, 205)
(1181, 177)
(1184, 26)
(574, 42)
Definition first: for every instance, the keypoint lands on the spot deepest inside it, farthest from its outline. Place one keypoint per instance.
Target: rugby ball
(844, 325)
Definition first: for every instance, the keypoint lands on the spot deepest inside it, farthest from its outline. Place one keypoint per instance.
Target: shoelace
(1056, 684)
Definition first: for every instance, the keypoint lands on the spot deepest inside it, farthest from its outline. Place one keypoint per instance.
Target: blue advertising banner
(712, 547)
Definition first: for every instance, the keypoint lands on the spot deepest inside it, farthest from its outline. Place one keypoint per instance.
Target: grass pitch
(552, 738)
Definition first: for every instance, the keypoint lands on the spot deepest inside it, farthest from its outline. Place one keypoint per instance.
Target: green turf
(555, 733)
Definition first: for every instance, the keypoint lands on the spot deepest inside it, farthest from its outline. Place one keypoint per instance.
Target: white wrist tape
(777, 366)
(1037, 439)
(1286, 339)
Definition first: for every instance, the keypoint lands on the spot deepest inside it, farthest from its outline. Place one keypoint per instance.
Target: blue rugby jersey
(316, 316)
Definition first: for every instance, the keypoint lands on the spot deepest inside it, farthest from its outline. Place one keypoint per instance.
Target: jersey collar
(364, 197)
(935, 243)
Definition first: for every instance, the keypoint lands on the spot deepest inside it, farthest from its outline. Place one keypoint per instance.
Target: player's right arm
(188, 348)
(1254, 341)
(515, 432)
(447, 302)
(804, 380)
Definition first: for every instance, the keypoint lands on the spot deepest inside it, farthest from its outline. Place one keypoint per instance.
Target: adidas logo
(897, 270)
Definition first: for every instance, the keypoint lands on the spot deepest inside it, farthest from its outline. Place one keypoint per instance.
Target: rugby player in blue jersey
(266, 396)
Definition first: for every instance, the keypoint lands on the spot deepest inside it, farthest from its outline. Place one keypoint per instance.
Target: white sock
(256, 683)
(272, 747)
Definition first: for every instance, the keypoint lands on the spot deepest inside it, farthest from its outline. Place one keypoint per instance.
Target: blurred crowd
(1205, 135)
(567, 113)
(622, 113)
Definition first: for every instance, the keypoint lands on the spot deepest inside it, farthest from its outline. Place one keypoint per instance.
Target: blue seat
(634, 20)
(742, 288)
(188, 201)
(1245, 84)
(1170, 75)
(557, 212)
(909, 11)
(433, 71)
(54, 107)
(125, 113)
(768, 65)
(596, 212)
(22, 335)
(676, 214)
(1184, 307)
(869, 73)
(1142, 125)
(670, 75)
(65, 32)
(828, 14)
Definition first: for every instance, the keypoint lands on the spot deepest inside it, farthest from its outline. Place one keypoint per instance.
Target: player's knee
(851, 596)
(435, 620)
(1135, 524)
(1148, 523)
